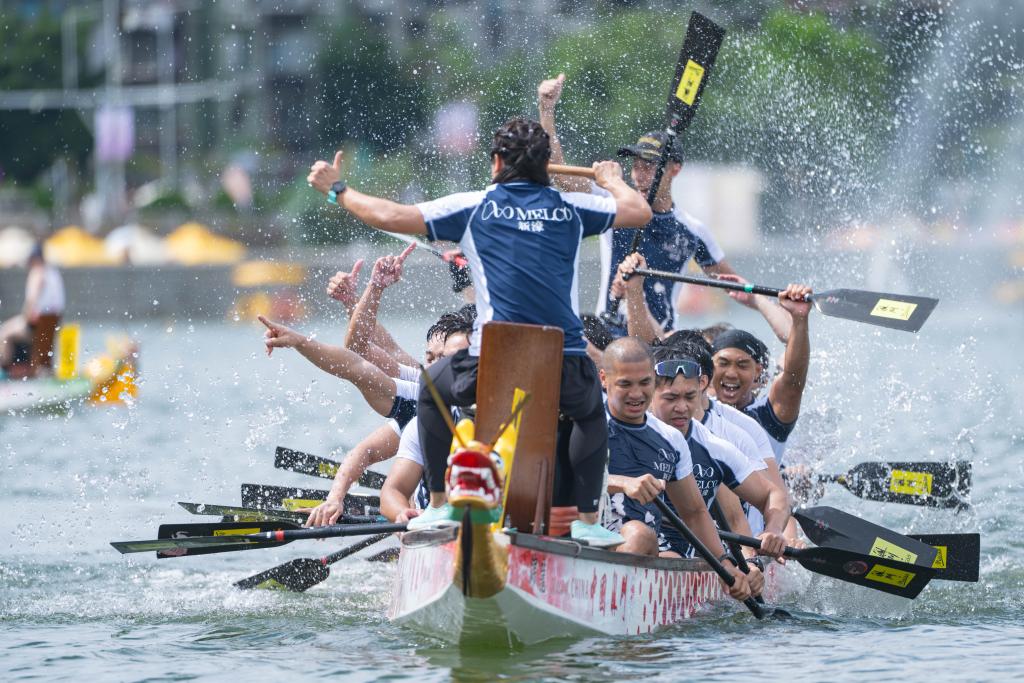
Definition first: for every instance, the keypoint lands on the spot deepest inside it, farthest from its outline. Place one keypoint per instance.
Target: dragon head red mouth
(473, 478)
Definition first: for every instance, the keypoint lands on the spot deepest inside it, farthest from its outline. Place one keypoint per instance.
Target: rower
(649, 458)
(522, 240)
(30, 334)
(672, 237)
(679, 386)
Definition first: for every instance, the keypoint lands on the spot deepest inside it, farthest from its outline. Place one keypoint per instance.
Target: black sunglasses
(671, 368)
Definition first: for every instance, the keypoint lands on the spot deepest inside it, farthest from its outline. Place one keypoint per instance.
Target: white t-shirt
(409, 443)
(408, 373)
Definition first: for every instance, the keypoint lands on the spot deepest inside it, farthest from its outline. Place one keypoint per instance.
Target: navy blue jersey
(522, 241)
(653, 448)
(778, 431)
(669, 241)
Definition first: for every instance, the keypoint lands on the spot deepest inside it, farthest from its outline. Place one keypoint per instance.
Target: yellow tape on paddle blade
(897, 310)
(293, 504)
(940, 559)
(67, 351)
(911, 483)
(689, 84)
(272, 584)
(235, 532)
(325, 469)
(891, 576)
(890, 551)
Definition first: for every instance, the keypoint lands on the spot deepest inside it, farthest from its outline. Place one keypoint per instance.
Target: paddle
(263, 496)
(697, 56)
(734, 548)
(954, 557)
(828, 526)
(303, 573)
(260, 538)
(307, 463)
(888, 576)
(723, 573)
(242, 514)
(897, 311)
(929, 484)
(456, 258)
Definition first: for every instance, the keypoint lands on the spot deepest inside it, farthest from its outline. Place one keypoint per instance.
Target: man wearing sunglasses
(678, 392)
(649, 459)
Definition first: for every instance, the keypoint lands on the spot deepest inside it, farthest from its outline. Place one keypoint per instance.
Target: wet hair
(693, 347)
(692, 344)
(596, 331)
(449, 324)
(627, 350)
(525, 148)
(712, 331)
(468, 312)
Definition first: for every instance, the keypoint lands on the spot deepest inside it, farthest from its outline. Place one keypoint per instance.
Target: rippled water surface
(213, 407)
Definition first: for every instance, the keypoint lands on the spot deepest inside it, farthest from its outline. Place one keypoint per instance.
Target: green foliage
(32, 141)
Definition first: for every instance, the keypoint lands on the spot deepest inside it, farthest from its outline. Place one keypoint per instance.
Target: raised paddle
(886, 575)
(303, 573)
(317, 466)
(264, 496)
(826, 525)
(928, 484)
(242, 514)
(230, 542)
(897, 311)
(755, 608)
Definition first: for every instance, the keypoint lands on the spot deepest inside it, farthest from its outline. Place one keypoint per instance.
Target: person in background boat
(717, 462)
(522, 240)
(648, 459)
(670, 239)
(449, 334)
(44, 305)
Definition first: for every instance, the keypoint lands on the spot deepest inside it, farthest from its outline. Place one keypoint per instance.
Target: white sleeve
(748, 424)
(409, 444)
(744, 443)
(406, 389)
(408, 373)
(394, 425)
(729, 455)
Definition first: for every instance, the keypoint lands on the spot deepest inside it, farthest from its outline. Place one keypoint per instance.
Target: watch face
(338, 187)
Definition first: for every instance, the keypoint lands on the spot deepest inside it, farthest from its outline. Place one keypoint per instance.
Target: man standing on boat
(649, 458)
(44, 304)
(522, 239)
(670, 239)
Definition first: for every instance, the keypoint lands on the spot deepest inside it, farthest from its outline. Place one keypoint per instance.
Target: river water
(212, 408)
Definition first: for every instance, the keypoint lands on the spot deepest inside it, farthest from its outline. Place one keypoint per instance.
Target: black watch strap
(728, 556)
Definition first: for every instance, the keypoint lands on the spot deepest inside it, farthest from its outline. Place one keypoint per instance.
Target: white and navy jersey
(522, 241)
(715, 461)
(719, 412)
(409, 449)
(669, 241)
(739, 436)
(403, 408)
(653, 448)
(778, 431)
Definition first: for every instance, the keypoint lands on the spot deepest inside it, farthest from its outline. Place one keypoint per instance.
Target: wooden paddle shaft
(581, 171)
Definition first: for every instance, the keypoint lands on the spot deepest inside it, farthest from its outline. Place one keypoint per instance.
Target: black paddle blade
(700, 47)
(217, 530)
(886, 575)
(243, 514)
(958, 555)
(897, 311)
(298, 575)
(828, 526)
(928, 484)
(325, 468)
(268, 497)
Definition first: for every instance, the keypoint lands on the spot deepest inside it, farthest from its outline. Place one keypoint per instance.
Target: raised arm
(787, 389)
(342, 288)
(376, 212)
(640, 323)
(363, 323)
(548, 93)
(631, 209)
(376, 387)
(777, 317)
(378, 446)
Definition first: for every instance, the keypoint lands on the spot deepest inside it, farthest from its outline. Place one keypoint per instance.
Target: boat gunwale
(570, 548)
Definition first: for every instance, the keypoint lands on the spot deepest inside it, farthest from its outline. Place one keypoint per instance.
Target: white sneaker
(595, 535)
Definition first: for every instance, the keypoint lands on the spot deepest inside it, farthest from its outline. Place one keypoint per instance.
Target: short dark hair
(711, 332)
(449, 324)
(691, 344)
(525, 148)
(596, 331)
(468, 312)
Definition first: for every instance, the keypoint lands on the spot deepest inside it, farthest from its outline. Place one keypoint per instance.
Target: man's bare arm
(548, 93)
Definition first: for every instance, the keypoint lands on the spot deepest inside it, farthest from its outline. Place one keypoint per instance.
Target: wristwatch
(336, 190)
(728, 556)
(757, 562)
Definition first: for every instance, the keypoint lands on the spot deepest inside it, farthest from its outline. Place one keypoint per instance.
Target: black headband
(744, 341)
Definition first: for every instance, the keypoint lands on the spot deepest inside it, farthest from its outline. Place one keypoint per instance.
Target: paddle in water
(243, 514)
(896, 311)
(928, 484)
(737, 552)
(260, 537)
(264, 496)
(317, 466)
(755, 608)
(303, 573)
